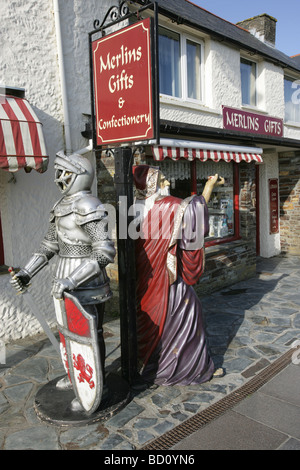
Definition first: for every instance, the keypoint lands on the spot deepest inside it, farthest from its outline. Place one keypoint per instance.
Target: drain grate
(175, 435)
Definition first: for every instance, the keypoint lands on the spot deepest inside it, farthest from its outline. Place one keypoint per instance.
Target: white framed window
(292, 99)
(180, 66)
(249, 82)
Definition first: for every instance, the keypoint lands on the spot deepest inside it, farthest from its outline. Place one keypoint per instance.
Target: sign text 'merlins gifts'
(253, 123)
(123, 85)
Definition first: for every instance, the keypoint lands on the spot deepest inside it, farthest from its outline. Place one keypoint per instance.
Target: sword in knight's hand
(32, 305)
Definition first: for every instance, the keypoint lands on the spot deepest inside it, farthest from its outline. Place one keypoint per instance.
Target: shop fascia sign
(123, 85)
(253, 123)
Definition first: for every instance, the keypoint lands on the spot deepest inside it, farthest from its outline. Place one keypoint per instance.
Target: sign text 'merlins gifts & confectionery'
(123, 85)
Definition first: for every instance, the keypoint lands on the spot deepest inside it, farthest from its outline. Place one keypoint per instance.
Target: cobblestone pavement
(249, 325)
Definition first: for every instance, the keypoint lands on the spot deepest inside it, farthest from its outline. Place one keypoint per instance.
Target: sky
(286, 12)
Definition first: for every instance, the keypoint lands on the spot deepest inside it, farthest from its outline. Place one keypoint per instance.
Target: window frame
(173, 81)
(183, 39)
(297, 90)
(253, 62)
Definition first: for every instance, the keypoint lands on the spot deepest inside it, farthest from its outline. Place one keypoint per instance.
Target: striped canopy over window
(21, 137)
(204, 151)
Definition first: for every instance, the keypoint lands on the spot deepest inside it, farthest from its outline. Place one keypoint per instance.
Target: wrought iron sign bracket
(118, 13)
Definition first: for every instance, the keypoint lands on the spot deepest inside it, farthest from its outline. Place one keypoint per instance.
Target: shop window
(178, 173)
(248, 82)
(223, 204)
(292, 99)
(188, 178)
(179, 65)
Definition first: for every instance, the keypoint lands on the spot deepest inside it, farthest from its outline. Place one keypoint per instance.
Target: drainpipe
(62, 77)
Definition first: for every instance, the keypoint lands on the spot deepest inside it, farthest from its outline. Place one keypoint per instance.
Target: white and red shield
(80, 351)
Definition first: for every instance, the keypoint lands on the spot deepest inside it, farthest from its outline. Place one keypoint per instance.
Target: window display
(221, 206)
(221, 222)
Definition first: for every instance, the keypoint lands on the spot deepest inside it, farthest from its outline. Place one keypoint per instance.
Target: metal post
(126, 263)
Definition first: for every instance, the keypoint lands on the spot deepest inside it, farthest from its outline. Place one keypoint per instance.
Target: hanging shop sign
(253, 123)
(274, 214)
(123, 85)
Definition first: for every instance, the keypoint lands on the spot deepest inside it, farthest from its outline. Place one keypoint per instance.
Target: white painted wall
(29, 60)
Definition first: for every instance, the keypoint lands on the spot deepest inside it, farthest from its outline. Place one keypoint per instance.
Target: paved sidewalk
(267, 420)
(250, 326)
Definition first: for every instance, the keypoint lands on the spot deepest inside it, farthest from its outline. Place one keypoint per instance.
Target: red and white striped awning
(205, 151)
(21, 137)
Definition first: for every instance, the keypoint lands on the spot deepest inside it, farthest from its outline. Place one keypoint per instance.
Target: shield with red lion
(80, 351)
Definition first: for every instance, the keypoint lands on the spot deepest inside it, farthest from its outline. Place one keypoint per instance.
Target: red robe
(171, 339)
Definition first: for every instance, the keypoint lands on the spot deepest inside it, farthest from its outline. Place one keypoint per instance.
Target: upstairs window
(180, 66)
(193, 68)
(292, 99)
(248, 81)
(169, 63)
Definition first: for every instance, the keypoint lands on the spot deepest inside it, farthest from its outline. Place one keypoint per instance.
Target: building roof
(186, 12)
(296, 58)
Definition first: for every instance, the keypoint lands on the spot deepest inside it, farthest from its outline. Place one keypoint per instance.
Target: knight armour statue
(78, 235)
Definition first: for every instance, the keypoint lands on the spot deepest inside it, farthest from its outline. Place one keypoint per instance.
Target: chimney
(262, 27)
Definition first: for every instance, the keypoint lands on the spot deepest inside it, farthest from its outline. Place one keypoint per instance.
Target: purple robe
(171, 337)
